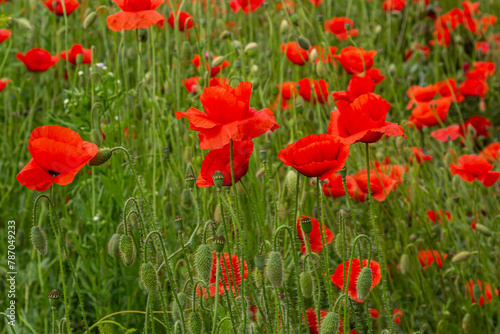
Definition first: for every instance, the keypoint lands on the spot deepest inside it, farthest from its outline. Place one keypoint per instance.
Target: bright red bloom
(394, 5)
(312, 320)
(449, 133)
(217, 82)
(420, 94)
(228, 116)
(37, 60)
(316, 155)
(490, 152)
(482, 47)
(320, 90)
(58, 154)
(438, 216)
(219, 160)
(338, 276)
(480, 124)
(336, 26)
(76, 50)
(486, 292)
(374, 313)
(380, 184)
(295, 53)
(227, 276)
(397, 314)
(360, 85)
(181, 23)
(394, 171)
(430, 113)
(248, 6)
(4, 35)
(427, 258)
(472, 167)
(214, 70)
(482, 70)
(135, 14)
(315, 241)
(474, 87)
(351, 61)
(419, 155)
(363, 120)
(191, 84)
(335, 188)
(331, 50)
(56, 6)
(288, 91)
(375, 75)
(448, 88)
(3, 84)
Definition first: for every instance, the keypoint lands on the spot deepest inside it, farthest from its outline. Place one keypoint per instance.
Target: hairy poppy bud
(294, 18)
(275, 269)
(306, 284)
(330, 324)
(461, 257)
(291, 181)
(96, 137)
(217, 61)
(306, 225)
(186, 51)
(54, 297)
(149, 277)
(466, 322)
(313, 56)
(39, 240)
(219, 241)
(176, 309)
(186, 198)
(284, 27)
(195, 323)
(364, 283)
(304, 43)
(203, 262)
(113, 245)
(128, 251)
(102, 156)
(404, 264)
(250, 46)
(218, 178)
(89, 20)
(260, 261)
(340, 244)
(484, 230)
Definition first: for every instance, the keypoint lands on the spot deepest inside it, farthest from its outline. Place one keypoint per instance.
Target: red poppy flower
(320, 90)
(135, 14)
(360, 85)
(449, 133)
(227, 277)
(394, 171)
(474, 87)
(228, 116)
(490, 152)
(3, 84)
(214, 70)
(191, 84)
(335, 188)
(430, 113)
(76, 50)
(421, 94)
(438, 216)
(448, 88)
(363, 120)
(58, 154)
(219, 160)
(312, 321)
(419, 155)
(217, 82)
(472, 167)
(394, 5)
(183, 17)
(482, 70)
(295, 53)
(487, 292)
(337, 26)
(428, 257)
(481, 126)
(56, 6)
(397, 314)
(4, 35)
(375, 75)
(482, 47)
(374, 313)
(315, 241)
(338, 276)
(351, 61)
(316, 155)
(248, 6)
(37, 60)
(380, 184)
(288, 91)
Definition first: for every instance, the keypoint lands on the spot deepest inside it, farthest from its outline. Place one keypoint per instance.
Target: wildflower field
(249, 166)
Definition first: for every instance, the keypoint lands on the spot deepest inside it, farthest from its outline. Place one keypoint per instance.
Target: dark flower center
(53, 173)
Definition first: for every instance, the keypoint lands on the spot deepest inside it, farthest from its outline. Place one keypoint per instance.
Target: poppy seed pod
(149, 277)
(291, 181)
(294, 18)
(275, 269)
(203, 262)
(260, 261)
(304, 43)
(217, 61)
(102, 156)
(404, 264)
(343, 172)
(128, 252)
(218, 178)
(219, 241)
(330, 324)
(364, 283)
(178, 222)
(306, 284)
(186, 51)
(113, 245)
(306, 225)
(461, 257)
(89, 20)
(483, 230)
(54, 298)
(190, 180)
(39, 240)
(195, 323)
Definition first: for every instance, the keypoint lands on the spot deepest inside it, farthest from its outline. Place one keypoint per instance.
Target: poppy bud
(195, 323)
(461, 257)
(176, 311)
(294, 18)
(250, 46)
(306, 284)
(330, 324)
(54, 297)
(89, 20)
(178, 223)
(149, 277)
(466, 322)
(219, 241)
(339, 246)
(186, 198)
(364, 283)
(113, 245)
(320, 69)
(378, 29)
(304, 43)
(404, 264)
(263, 154)
(291, 181)
(128, 251)
(275, 269)
(484, 230)
(102, 156)
(186, 51)
(218, 178)
(217, 61)
(236, 44)
(284, 27)
(203, 262)
(39, 240)
(96, 137)
(225, 34)
(306, 225)
(260, 261)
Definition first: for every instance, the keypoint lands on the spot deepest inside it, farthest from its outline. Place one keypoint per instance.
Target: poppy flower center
(53, 173)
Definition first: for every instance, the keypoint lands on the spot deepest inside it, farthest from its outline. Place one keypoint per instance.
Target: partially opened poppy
(229, 281)
(248, 6)
(316, 155)
(295, 53)
(337, 26)
(335, 188)
(135, 14)
(315, 240)
(73, 53)
(3, 84)
(419, 155)
(438, 216)
(479, 125)
(4, 35)
(318, 95)
(485, 290)
(380, 184)
(430, 113)
(228, 116)
(37, 60)
(363, 120)
(428, 257)
(394, 5)
(220, 160)
(181, 23)
(56, 6)
(491, 152)
(449, 133)
(354, 60)
(58, 154)
(472, 167)
(338, 276)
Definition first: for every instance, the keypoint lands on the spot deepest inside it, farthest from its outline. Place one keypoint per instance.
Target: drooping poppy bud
(39, 240)
(364, 284)
(203, 262)
(113, 245)
(177, 309)
(128, 252)
(306, 284)
(291, 181)
(404, 264)
(102, 156)
(89, 20)
(330, 324)
(275, 269)
(461, 257)
(149, 277)
(195, 323)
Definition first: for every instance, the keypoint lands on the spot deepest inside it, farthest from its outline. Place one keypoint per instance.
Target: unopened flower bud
(364, 283)
(461, 257)
(128, 252)
(113, 245)
(330, 324)
(102, 156)
(149, 277)
(275, 269)
(89, 20)
(39, 240)
(203, 262)
(304, 43)
(306, 284)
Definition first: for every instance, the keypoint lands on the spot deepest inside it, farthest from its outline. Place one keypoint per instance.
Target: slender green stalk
(217, 276)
